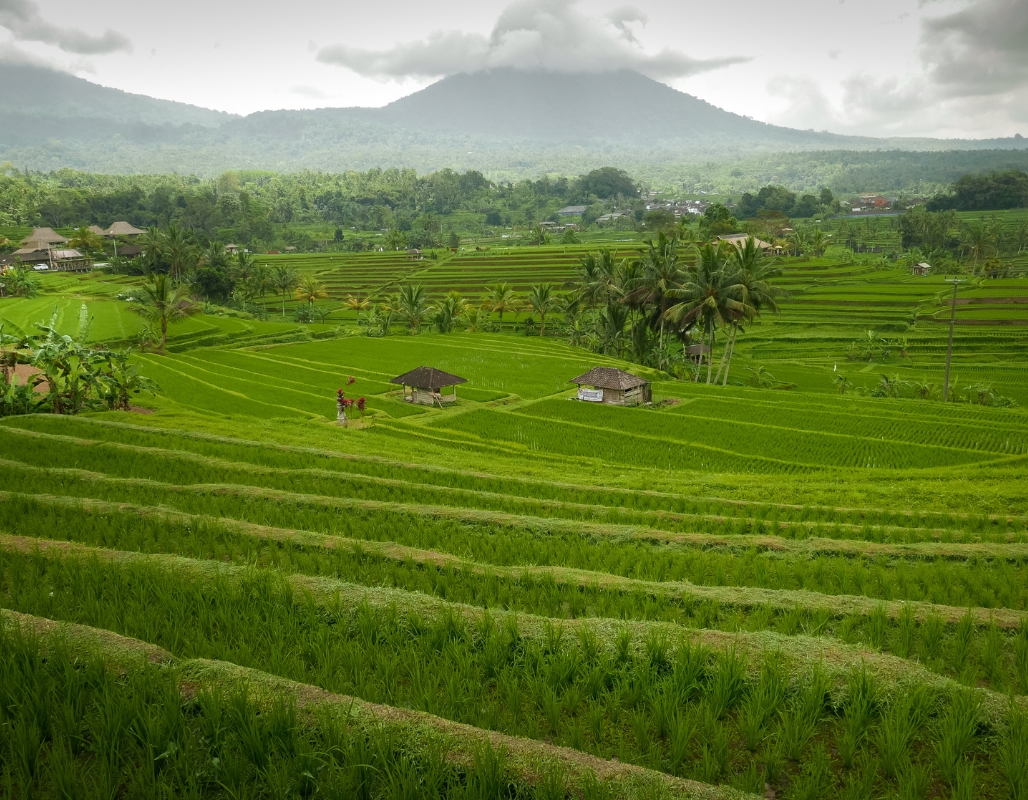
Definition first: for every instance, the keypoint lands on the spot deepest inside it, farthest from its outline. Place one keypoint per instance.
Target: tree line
(667, 308)
(259, 209)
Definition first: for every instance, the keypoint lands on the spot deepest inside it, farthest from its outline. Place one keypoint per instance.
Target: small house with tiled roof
(613, 386)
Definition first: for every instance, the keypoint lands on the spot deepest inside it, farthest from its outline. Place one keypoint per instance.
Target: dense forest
(245, 207)
(996, 191)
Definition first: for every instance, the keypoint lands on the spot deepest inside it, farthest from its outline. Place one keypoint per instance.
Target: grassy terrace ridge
(774, 587)
(533, 765)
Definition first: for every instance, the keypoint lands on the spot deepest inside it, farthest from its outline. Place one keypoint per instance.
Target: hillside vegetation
(807, 583)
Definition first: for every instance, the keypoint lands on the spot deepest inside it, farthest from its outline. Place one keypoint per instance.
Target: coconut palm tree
(285, 280)
(661, 272)
(85, 239)
(152, 244)
(215, 256)
(412, 304)
(977, 241)
(310, 289)
(542, 300)
(177, 252)
(818, 243)
(704, 299)
(751, 285)
(162, 302)
(501, 298)
(243, 264)
(261, 280)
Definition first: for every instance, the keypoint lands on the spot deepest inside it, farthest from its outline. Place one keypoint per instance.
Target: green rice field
(738, 591)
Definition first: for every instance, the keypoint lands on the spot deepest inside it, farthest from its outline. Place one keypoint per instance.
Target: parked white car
(41, 267)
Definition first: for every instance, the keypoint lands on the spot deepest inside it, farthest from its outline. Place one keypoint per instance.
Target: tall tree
(177, 252)
(310, 289)
(285, 280)
(542, 300)
(704, 300)
(412, 304)
(163, 302)
(501, 298)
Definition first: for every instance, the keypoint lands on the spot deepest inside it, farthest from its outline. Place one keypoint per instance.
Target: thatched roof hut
(613, 387)
(44, 235)
(426, 383)
(123, 229)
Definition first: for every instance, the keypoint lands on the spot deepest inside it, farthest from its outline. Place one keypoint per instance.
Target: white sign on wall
(591, 395)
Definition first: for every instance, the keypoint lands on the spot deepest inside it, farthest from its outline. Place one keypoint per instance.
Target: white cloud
(25, 22)
(529, 34)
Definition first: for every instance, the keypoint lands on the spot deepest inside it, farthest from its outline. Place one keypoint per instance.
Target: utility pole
(949, 350)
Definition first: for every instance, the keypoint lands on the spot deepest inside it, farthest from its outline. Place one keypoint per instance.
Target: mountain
(622, 106)
(33, 91)
(507, 123)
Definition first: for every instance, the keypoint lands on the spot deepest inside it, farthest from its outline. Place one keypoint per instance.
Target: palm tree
(215, 256)
(704, 298)
(751, 287)
(244, 264)
(977, 241)
(1021, 236)
(178, 252)
(152, 244)
(85, 239)
(285, 280)
(164, 302)
(261, 280)
(449, 311)
(396, 240)
(818, 243)
(542, 300)
(843, 383)
(661, 272)
(310, 289)
(412, 304)
(501, 298)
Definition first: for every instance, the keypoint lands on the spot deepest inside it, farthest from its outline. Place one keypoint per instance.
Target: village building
(45, 236)
(123, 229)
(613, 387)
(41, 252)
(426, 385)
(739, 240)
(698, 353)
(572, 211)
(921, 269)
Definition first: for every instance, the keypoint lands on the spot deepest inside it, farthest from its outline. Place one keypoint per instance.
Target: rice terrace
(531, 402)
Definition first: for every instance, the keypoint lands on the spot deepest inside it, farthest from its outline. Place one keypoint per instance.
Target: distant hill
(30, 91)
(507, 123)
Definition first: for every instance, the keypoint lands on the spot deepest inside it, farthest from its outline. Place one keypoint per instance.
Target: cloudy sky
(947, 68)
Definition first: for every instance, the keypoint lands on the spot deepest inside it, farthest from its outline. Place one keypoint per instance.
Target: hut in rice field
(614, 387)
(427, 385)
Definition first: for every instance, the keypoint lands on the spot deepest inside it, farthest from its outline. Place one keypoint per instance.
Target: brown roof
(427, 378)
(123, 229)
(97, 230)
(739, 239)
(697, 349)
(610, 378)
(34, 247)
(48, 235)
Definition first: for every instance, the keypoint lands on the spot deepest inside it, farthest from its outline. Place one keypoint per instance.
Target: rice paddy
(797, 592)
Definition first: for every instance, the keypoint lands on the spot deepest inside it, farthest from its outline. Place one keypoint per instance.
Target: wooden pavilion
(426, 385)
(614, 387)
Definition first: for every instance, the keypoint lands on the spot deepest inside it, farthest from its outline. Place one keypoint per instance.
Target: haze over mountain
(502, 121)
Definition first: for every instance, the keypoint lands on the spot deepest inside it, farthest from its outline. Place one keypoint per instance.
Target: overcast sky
(921, 67)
